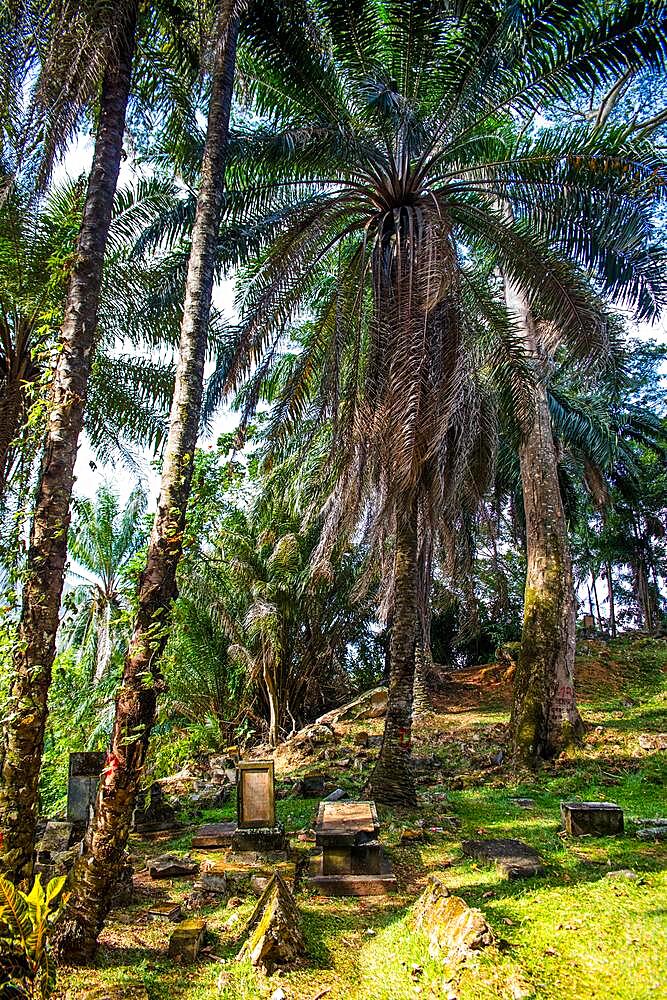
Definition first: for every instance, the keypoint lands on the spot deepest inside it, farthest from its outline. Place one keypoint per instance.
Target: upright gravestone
(257, 829)
(84, 777)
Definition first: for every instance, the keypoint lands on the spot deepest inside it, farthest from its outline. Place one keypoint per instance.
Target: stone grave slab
(352, 861)
(514, 858)
(165, 911)
(186, 941)
(262, 839)
(152, 812)
(255, 795)
(596, 819)
(169, 866)
(239, 869)
(213, 836)
(83, 779)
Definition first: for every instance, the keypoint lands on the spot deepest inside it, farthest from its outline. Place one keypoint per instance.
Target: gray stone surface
(652, 833)
(336, 796)
(596, 819)
(514, 858)
(84, 777)
(170, 866)
(261, 839)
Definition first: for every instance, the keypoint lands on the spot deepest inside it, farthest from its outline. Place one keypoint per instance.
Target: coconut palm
(373, 181)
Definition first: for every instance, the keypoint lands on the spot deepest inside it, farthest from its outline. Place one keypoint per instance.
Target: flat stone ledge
(512, 857)
(353, 885)
(594, 819)
(214, 835)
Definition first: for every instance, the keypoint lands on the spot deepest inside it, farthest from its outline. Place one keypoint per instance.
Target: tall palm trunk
(12, 405)
(544, 711)
(392, 782)
(137, 698)
(35, 647)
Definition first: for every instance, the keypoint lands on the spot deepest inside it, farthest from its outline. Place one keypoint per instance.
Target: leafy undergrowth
(579, 931)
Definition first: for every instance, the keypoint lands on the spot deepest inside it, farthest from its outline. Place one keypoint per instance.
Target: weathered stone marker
(169, 866)
(186, 941)
(514, 858)
(274, 933)
(452, 927)
(257, 828)
(352, 861)
(84, 777)
(597, 819)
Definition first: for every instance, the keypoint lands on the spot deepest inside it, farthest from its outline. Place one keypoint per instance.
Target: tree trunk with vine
(36, 643)
(545, 717)
(137, 698)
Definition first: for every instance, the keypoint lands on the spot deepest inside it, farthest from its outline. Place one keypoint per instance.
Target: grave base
(379, 883)
(262, 839)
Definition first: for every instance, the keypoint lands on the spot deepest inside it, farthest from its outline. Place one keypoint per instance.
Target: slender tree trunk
(544, 712)
(421, 693)
(597, 602)
(137, 698)
(35, 648)
(612, 603)
(272, 697)
(392, 782)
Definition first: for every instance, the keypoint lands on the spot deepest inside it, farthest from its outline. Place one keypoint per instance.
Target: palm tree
(103, 540)
(373, 182)
(35, 647)
(141, 681)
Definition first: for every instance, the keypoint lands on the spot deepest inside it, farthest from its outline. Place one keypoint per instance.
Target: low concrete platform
(214, 835)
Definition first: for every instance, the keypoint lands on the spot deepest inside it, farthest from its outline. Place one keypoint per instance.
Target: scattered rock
(274, 935)
(514, 858)
(170, 866)
(523, 803)
(124, 991)
(652, 833)
(213, 878)
(623, 873)
(411, 836)
(258, 883)
(370, 705)
(319, 734)
(653, 741)
(361, 739)
(597, 819)
(336, 795)
(55, 840)
(453, 928)
(186, 941)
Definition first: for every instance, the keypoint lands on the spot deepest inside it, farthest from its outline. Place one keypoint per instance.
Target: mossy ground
(576, 933)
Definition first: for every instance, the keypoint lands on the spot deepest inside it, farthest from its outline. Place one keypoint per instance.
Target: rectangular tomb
(352, 861)
(596, 819)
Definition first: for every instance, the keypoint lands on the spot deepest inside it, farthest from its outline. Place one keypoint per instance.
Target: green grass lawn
(574, 933)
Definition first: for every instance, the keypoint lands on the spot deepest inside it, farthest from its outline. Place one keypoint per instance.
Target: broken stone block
(523, 803)
(258, 883)
(514, 858)
(452, 927)
(55, 840)
(361, 739)
(214, 835)
(124, 991)
(169, 866)
(597, 819)
(213, 878)
(409, 836)
(623, 873)
(186, 941)
(653, 741)
(274, 933)
(337, 795)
